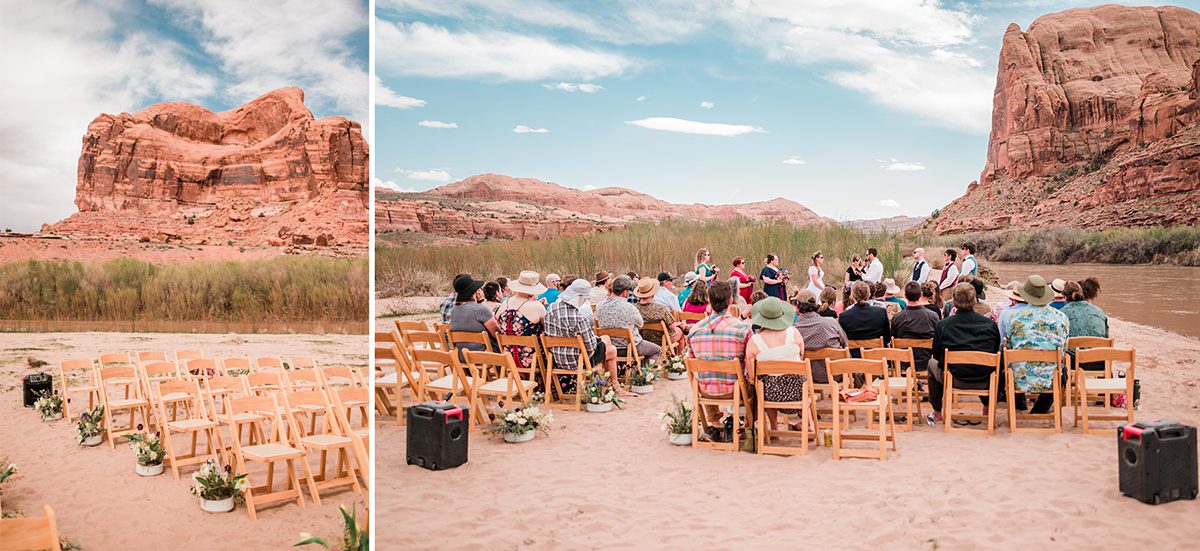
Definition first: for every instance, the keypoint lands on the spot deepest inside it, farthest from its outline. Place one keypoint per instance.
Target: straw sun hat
(646, 287)
(772, 313)
(892, 288)
(1035, 291)
(529, 282)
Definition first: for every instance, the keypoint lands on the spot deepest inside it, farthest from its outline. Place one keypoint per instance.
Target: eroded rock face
(1094, 123)
(237, 175)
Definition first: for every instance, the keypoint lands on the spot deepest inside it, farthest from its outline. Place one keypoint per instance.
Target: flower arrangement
(90, 425)
(353, 537)
(598, 390)
(677, 419)
(214, 482)
(643, 375)
(8, 470)
(521, 420)
(676, 368)
(49, 405)
(148, 447)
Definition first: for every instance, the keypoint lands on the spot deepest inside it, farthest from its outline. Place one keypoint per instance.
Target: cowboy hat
(646, 287)
(600, 279)
(529, 282)
(772, 313)
(1035, 291)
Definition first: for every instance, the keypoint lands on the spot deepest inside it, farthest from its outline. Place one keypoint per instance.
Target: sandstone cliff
(265, 173)
(1094, 125)
(498, 206)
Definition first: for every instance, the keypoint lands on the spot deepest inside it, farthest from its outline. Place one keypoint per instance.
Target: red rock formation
(1093, 123)
(267, 172)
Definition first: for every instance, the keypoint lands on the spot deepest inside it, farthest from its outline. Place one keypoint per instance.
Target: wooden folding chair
(467, 337)
(900, 380)
(268, 363)
(690, 318)
(630, 359)
(203, 368)
(331, 439)
(237, 366)
(859, 344)
(870, 371)
(511, 344)
(302, 362)
(1091, 386)
(734, 400)
(81, 369)
(134, 403)
(197, 422)
(23, 534)
(145, 356)
(951, 394)
(824, 389)
(553, 371)
(1074, 344)
(805, 405)
(457, 384)
(508, 387)
(922, 375)
(274, 448)
(1055, 416)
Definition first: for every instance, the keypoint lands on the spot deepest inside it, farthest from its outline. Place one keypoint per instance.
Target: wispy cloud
(437, 124)
(390, 185)
(889, 203)
(793, 160)
(432, 175)
(684, 126)
(707, 104)
(386, 97)
(640, 98)
(903, 166)
(584, 87)
(522, 129)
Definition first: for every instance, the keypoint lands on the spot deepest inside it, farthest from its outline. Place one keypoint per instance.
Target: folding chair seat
(869, 371)
(734, 401)
(1055, 356)
(806, 406)
(901, 378)
(1091, 386)
(952, 392)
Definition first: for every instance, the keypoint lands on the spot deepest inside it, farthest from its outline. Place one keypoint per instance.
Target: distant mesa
(1095, 124)
(503, 207)
(890, 224)
(265, 173)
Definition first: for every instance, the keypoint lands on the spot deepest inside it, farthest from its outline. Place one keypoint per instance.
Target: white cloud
(386, 97)
(437, 124)
(390, 185)
(889, 203)
(902, 166)
(794, 161)
(419, 49)
(431, 175)
(522, 129)
(572, 87)
(684, 126)
(588, 187)
(640, 98)
(707, 104)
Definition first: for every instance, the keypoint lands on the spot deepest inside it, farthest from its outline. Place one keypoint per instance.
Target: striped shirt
(446, 306)
(564, 320)
(718, 337)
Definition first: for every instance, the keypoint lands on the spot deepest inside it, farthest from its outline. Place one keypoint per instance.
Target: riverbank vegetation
(1179, 245)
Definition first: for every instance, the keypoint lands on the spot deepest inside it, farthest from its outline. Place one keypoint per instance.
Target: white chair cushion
(263, 452)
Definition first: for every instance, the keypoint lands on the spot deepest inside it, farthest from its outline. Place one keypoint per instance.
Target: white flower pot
(684, 439)
(93, 440)
(149, 470)
(217, 506)
(52, 417)
(515, 438)
(600, 408)
(642, 389)
(677, 376)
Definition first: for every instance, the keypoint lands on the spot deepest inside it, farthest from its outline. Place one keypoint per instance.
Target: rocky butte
(265, 173)
(1095, 124)
(503, 207)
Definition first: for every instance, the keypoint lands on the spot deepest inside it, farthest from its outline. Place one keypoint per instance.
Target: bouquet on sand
(49, 405)
(354, 538)
(521, 424)
(676, 368)
(90, 427)
(217, 486)
(150, 453)
(641, 379)
(677, 422)
(598, 393)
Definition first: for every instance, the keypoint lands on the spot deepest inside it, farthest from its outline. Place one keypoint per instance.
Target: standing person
(874, 271)
(921, 268)
(965, 330)
(949, 275)
(816, 275)
(705, 271)
(689, 282)
(653, 311)
(854, 272)
(522, 314)
(745, 280)
(777, 340)
(552, 289)
(665, 295)
(772, 278)
(617, 312)
(718, 337)
(969, 264)
(565, 319)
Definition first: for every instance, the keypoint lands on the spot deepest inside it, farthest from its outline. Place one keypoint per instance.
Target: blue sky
(65, 62)
(857, 109)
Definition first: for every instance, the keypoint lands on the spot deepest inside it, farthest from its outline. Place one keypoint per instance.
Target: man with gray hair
(921, 268)
(616, 311)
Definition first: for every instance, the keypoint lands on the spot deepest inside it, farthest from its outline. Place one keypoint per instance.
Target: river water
(1167, 297)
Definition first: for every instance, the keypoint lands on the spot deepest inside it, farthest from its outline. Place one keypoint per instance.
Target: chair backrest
(302, 362)
(240, 364)
(457, 337)
(220, 390)
(76, 364)
(298, 379)
(735, 311)
(725, 367)
(973, 357)
(784, 367)
(338, 375)
(177, 386)
(121, 375)
(876, 342)
(425, 339)
(158, 370)
(203, 368)
(445, 362)
(870, 369)
(185, 355)
(479, 362)
(526, 341)
(1027, 355)
(265, 381)
(576, 342)
(271, 363)
(408, 326)
(690, 316)
(1106, 354)
(896, 359)
(826, 354)
(912, 343)
(115, 358)
(1089, 342)
(151, 356)
(18, 534)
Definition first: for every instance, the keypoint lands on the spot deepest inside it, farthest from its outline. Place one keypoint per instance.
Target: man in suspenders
(921, 270)
(969, 265)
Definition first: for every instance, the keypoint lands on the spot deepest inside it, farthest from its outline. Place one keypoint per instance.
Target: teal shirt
(1087, 319)
(683, 295)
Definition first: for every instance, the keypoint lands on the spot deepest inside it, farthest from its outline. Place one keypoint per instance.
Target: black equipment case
(1157, 461)
(437, 435)
(35, 383)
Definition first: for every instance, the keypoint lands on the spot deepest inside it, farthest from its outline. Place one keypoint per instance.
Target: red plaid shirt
(718, 337)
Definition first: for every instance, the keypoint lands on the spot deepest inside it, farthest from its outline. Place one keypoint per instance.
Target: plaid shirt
(619, 313)
(564, 320)
(446, 307)
(718, 337)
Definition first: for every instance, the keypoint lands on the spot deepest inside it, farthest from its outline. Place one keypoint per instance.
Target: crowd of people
(747, 317)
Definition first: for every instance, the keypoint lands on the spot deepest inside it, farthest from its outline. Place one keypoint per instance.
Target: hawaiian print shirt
(1087, 319)
(1036, 328)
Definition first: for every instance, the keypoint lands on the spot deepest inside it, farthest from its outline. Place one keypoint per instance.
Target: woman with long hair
(828, 299)
(697, 301)
(705, 271)
(816, 275)
(774, 283)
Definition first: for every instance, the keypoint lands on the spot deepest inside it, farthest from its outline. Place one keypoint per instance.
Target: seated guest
(468, 315)
(1005, 300)
(1059, 298)
(697, 300)
(552, 289)
(915, 322)
(491, 295)
(502, 281)
(665, 295)
(965, 330)
(890, 291)
(565, 319)
(754, 298)
(448, 303)
(718, 337)
(689, 281)
(599, 287)
(817, 331)
(617, 312)
(653, 312)
(1085, 319)
(933, 298)
(522, 315)
(863, 321)
(633, 276)
(1036, 327)
(737, 300)
(776, 340)
(981, 305)
(828, 300)
(878, 291)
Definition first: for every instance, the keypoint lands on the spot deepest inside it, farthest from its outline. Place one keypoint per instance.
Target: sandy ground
(18, 249)
(96, 495)
(611, 480)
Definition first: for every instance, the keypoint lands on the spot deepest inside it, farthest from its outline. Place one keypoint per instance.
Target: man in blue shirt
(552, 290)
(665, 295)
